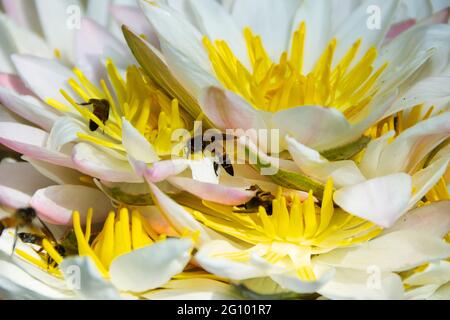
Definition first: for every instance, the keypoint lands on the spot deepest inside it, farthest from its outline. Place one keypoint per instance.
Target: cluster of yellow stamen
(120, 235)
(349, 86)
(135, 98)
(305, 226)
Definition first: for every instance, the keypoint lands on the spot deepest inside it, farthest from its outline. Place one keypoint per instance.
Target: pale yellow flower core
(271, 86)
(135, 98)
(294, 231)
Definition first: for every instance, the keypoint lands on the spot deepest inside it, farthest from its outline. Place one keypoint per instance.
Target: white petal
(316, 127)
(430, 91)
(31, 142)
(380, 200)
(28, 108)
(83, 277)
(92, 41)
(93, 161)
(432, 218)
(359, 285)
(55, 204)
(136, 21)
(427, 178)
(178, 32)
(437, 273)
(360, 25)
(218, 193)
(194, 289)
(23, 12)
(217, 24)
(371, 157)
(443, 293)
(43, 76)
(412, 145)
(209, 258)
(19, 181)
(137, 146)
(317, 18)
(152, 266)
(59, 20)
(229, 111)
(271, 19)
(17, 284)
(396, 251)
(310, 161)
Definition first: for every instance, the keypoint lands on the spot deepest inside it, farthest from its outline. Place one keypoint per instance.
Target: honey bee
(100, 110)
(261, 199)
(65, 247)
(221, 158)
(24, 217)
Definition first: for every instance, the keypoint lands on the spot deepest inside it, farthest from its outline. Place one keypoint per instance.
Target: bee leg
(216, 168)
(16, 231)
(2, 228)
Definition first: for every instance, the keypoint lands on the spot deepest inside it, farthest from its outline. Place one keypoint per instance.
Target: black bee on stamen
(100, 110)
(261, 199)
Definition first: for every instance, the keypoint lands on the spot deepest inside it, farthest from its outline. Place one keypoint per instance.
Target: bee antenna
(15, 240)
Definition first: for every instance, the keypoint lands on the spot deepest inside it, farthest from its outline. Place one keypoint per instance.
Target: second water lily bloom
(126, 258)
(302, 74)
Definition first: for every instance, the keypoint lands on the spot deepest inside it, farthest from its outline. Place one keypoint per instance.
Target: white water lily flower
(126, 259)
(307, 249)
(299, 74)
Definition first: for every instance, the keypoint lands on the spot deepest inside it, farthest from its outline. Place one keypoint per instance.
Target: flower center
(135, 98)
(118, 236)
(270, 86)
(294, 231)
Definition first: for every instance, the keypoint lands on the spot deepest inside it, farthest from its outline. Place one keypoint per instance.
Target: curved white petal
(18, 183)
(412, 145)
(257, 13)
(31, 142)
(380, 200)
(93, 161)
(83, 277)
(44, 77)
(396, 251)
(152, 266)
(316, 127)
(370, 160)
(218, 193)
(433, 219)
(28, 108)
(55, 204)
(360, 285)
(194, 289)
(209, 258)
(344, 173)
(136, 145)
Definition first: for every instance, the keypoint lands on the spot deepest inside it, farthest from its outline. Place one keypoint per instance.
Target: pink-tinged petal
(380, 200)
(22, 12)
(97, 163)
(437, 18)
(229, 111)
(14, 82)
(44, 77)
(180, 218)
(29, 108)
(55, 204)
(136, 21)
(398, 28)
(92, 42)
(18, 182)
(161, 170)
(136, 145)
(31, 142)
(218, 193)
